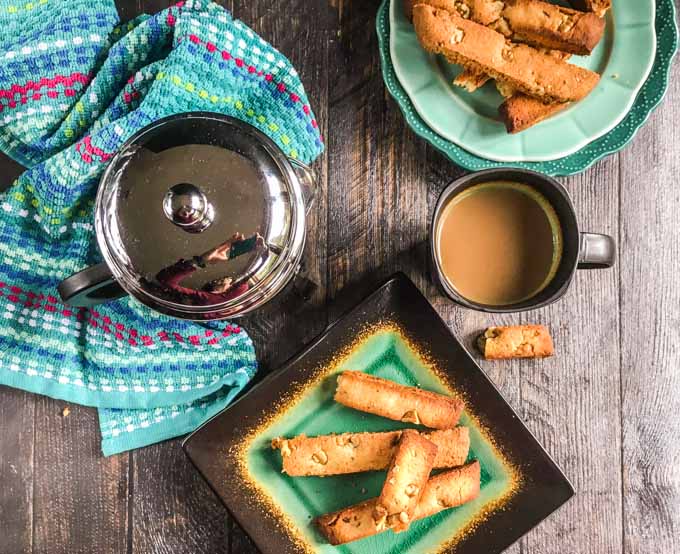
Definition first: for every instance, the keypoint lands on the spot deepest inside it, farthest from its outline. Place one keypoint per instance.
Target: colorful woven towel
(74, 85)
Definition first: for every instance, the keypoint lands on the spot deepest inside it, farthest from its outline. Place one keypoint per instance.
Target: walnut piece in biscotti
(517, 341)
(447, 490)
(405, 481)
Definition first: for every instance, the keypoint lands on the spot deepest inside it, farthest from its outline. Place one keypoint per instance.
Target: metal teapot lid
(201, 216)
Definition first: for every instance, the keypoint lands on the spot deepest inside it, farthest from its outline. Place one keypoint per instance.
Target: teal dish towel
(74, 86)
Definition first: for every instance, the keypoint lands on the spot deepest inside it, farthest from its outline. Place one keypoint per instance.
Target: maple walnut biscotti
(405, 481)
(534, 22)
(357, 452)
(482, 49)
(519, 112)
(517, 341)
(447, 490)
(394, 401)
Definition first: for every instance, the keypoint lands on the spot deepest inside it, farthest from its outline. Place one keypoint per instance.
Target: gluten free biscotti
(519, 112)
(394, 401)
(405, 481)
(517, 341)
(357, 452)
(482, 49)
(534, 22)
(447, 490)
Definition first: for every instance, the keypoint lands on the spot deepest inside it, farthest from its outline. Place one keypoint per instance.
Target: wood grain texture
(650, 332)
(80, 497)
(570, 401)
(605, 406)
(173, 509)
(17, 439)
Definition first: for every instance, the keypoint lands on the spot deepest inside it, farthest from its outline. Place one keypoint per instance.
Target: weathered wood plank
(80, 498)
(571, 401)
(17, 417)
(173, 509)
(650, 332)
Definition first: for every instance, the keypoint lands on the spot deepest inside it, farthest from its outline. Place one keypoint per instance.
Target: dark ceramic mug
(580, 250)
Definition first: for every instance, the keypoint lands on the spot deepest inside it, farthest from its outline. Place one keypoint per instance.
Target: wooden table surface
(606, 406)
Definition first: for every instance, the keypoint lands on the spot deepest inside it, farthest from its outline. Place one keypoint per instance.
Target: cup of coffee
(507, 240)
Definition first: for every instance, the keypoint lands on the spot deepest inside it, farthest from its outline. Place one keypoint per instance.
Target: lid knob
(188, 207)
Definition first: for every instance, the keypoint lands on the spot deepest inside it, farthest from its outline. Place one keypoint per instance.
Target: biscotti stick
(519, 112)
(550, 26)
(389, 399)
(449, 489)
(470, 80)
(534, 22)
(446, 490)
(406, 478)
(482, 49)
(358, 452)
(518, 341)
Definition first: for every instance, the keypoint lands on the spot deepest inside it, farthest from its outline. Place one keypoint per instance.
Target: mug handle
(89, 287)
(596, 251)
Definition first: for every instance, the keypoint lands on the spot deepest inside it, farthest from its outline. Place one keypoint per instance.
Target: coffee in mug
(499, 242)
(507, 240)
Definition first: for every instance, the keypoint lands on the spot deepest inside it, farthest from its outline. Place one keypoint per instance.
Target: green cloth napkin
(74, 85)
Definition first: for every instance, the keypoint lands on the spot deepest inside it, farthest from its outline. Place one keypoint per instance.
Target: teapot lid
(201, 216)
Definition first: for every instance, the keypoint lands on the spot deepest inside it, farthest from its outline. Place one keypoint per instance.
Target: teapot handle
(89, 287)
(307, 177)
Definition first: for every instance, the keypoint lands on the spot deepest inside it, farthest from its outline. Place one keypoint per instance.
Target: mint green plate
(474, 123)
(397, 335)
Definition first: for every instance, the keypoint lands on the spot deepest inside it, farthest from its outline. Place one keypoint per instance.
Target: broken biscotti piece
(394, 401)
(598, 7)
(550, 26)
(534, 22)
(517, 341)
(406, 478)
(484, 50)
(519, 111)
(357, 452)
(446, 490)
(470, 79)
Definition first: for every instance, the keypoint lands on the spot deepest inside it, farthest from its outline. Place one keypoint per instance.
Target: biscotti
(449, 489)
(357, 452)
(519, 112)
(394, 401)
(535, 22)
(484, 50)
(446, 490)
(598, 7)
(518, 341)
(470, 79)
(405, 481)
(550, 26)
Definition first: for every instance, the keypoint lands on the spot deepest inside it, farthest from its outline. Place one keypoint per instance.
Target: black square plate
(395, 333)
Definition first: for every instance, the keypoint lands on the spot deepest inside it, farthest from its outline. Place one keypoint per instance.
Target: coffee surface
(498, 243)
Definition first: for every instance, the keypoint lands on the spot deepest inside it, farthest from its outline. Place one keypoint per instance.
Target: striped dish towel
(74, 85)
